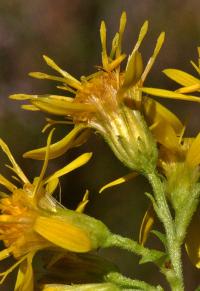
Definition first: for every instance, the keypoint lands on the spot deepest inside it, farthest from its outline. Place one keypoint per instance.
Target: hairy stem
(123, 281)
(165, 217)
(130, 245)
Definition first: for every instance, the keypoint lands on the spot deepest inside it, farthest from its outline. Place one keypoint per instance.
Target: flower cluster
(144, 135)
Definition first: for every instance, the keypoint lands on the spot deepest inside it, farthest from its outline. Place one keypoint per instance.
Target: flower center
(16, 223)
(101, 92)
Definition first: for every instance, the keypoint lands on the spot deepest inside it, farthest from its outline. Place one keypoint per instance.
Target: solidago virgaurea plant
(144, 135)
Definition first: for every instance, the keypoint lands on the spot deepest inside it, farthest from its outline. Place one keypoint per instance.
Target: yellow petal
(4, 254)
(133, 70)
(51, 122)
(24, 280)
(8, 271)
(82, 287)
(119, 181)
(165, 135)
(15, 168)
(51, 186)
(30, 107)
(40, 75)
(57, 149)
(31, 97)
(10, 186)
(69, 80)
(151, 61)
(22, 96)
(169, 94)
(122, 26)
(63, 234)
(103, 43)
(65, 74)
(82, 137)
(193, 154)
(114, 64)
(192, 243)
(196, 67)
(66, 88)
(181, 77)
(156, 113)
(81, 206)
(146, 226)
(78, 162)
(189, 89)
(143, 32)
(115, 42)
(39, 181)
(61, 107)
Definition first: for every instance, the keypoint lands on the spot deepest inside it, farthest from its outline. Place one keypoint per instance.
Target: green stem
(165, 216)
(123, 281)
(130, 245)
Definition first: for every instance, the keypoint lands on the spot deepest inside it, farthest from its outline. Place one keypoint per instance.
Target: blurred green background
(68, 31)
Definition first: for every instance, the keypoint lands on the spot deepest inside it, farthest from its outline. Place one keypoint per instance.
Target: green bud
(181, 180)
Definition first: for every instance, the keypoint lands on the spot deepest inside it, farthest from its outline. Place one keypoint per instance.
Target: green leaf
(161, 236)
(157, 257)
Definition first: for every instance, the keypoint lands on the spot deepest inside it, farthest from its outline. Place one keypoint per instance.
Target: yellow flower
(31, 219)
(109, 101)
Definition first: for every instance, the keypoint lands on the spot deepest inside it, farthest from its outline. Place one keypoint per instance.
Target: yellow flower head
(31, 219)
(108, 101)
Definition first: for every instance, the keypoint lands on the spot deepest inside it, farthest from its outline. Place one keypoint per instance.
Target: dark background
(68, 31)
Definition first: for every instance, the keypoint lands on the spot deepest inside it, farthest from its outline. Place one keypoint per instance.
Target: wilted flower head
(31, 219)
